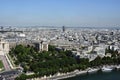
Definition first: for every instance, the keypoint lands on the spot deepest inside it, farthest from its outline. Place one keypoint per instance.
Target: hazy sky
(60, 12)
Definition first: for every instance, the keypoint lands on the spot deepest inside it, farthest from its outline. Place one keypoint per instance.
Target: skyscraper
(63, 28)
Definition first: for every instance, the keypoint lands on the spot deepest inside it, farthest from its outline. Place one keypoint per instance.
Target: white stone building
(4, 47)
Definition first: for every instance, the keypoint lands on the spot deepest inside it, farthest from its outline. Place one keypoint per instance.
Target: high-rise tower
(63, 28)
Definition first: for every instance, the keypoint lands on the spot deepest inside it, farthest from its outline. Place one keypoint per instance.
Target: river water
(113, 75)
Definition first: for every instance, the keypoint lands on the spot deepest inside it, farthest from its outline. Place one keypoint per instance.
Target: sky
(72, 13)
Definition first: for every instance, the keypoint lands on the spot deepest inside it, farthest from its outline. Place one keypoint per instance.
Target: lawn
(1, 64)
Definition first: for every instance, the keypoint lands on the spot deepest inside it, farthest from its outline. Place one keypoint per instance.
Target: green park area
(55, 60)
(1, 64)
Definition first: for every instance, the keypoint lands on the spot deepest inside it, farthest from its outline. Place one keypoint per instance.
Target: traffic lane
(5, 62)
(10, 75)
(10, 72)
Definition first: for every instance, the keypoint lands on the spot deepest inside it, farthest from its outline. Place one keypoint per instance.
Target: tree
(21, 77)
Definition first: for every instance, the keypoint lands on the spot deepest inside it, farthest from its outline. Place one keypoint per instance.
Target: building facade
(4, 47)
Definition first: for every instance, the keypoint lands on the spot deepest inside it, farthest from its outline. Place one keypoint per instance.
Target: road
(10, 75)
(5, 62)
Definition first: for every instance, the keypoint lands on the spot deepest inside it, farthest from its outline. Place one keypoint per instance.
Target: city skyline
(78, 13)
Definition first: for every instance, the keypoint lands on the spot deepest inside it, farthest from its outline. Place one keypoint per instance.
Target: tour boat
(106, 69)
(118, 67)
(92, 70)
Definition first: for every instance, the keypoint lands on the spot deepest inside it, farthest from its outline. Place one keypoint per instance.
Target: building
(63, 28)
(4, 50)
(4, 47)
(41, 46)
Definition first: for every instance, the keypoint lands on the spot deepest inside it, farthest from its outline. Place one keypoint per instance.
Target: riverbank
(69, 74)
(75, 73)
(59, 76)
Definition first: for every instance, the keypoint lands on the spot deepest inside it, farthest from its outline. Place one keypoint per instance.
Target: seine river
(114, 75)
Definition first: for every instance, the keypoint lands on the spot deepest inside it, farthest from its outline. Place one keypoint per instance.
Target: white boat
(92, 70)
(118, 67)
(105, 69)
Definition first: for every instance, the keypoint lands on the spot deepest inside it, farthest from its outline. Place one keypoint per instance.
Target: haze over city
(59, 39)
(73, 13)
